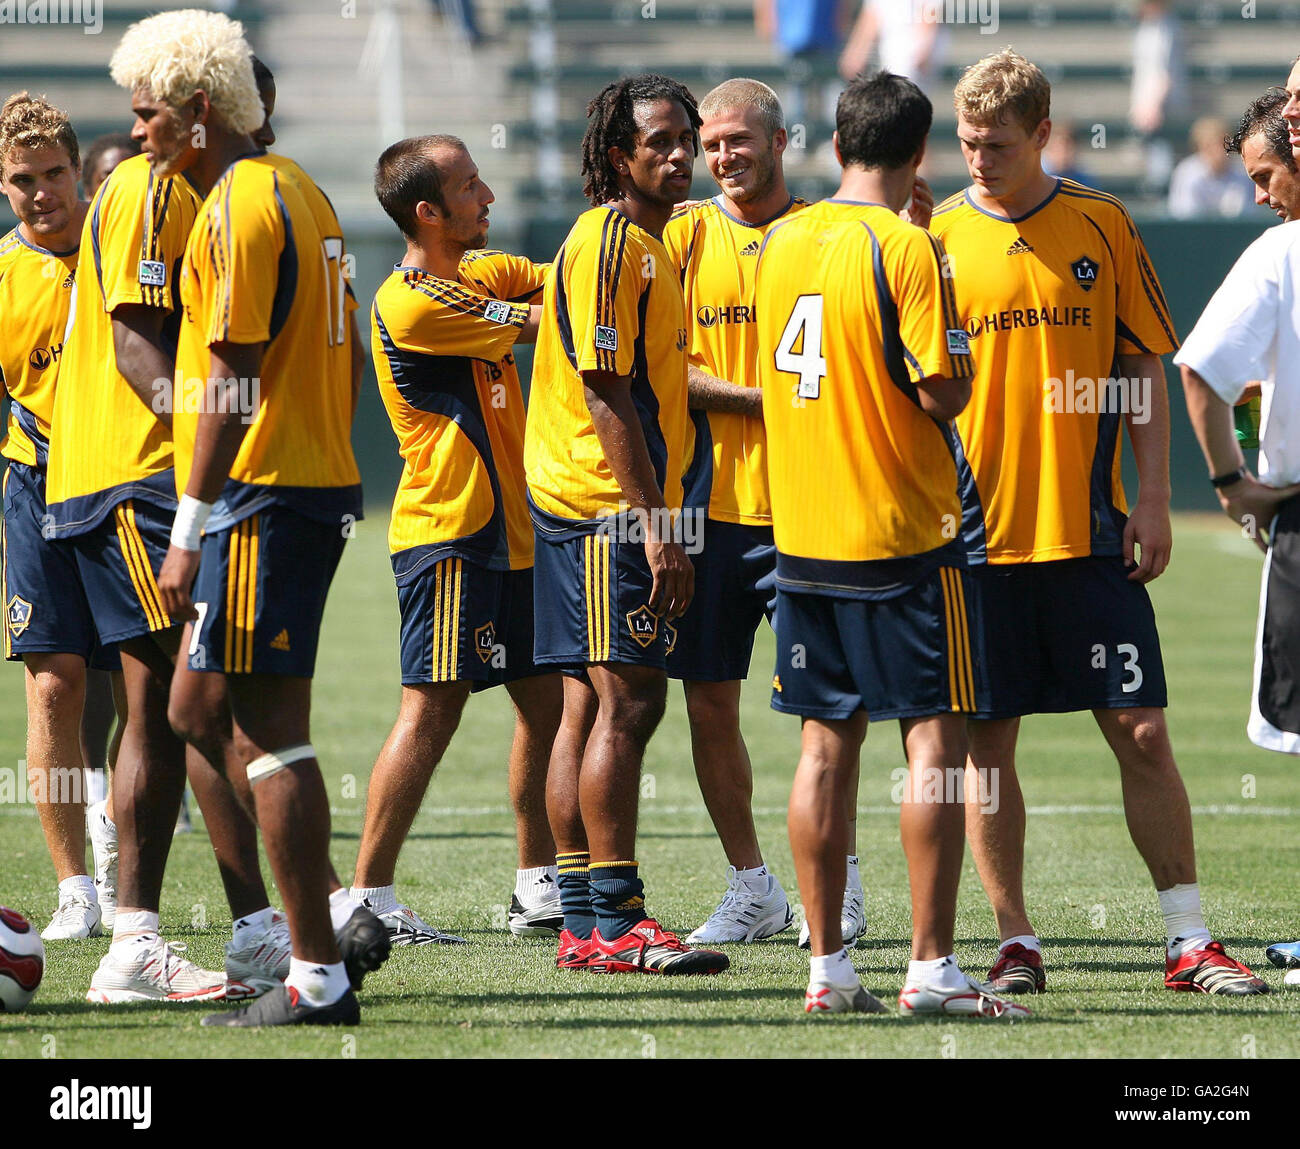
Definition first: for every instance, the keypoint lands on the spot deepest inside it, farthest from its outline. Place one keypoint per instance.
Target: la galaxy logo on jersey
(642, 625)
(1085, 272)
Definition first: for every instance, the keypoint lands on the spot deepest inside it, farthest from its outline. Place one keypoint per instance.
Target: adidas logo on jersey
(750, 248)
(1019, 247)
(280, 641)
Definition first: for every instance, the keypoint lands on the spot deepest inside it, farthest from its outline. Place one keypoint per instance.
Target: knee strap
(277, 760)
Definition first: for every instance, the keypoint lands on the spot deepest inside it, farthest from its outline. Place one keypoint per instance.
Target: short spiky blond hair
(745, 93)
(1001, 87)
(175, 54)
(33, 122)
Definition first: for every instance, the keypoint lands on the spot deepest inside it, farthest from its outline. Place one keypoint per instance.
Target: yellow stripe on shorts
(136, 557)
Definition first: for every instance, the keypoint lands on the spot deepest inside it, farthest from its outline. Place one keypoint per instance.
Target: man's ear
(620, 159)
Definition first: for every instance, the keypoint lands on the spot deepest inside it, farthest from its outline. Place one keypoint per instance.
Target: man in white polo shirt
(1249, 330)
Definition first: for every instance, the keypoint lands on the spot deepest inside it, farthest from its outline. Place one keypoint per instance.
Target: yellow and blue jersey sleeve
(934, 343)
(602, 289)
(498, 274)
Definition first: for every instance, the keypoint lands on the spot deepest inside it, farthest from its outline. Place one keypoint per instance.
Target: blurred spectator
(103, 155)
(1061, 156)
(462, 15)
(1208, 183)
(808, 34)
(1157, 84)
(908, 42)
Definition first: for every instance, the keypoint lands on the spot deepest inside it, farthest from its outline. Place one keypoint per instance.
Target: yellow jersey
(716, 256)
(106, 444)
(447, 375)
(865, 485)
(1049, 300)
(266, 264)
(35, 298)
(613, 303)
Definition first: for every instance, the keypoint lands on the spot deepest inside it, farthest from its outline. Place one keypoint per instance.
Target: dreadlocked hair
(611, 124)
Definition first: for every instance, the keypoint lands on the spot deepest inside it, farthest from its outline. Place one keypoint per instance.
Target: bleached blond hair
(1001, 87)
(175, 54)
(28, 121)
(745, 93)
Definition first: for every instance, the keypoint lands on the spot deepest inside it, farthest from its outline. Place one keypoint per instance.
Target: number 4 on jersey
(805, 328)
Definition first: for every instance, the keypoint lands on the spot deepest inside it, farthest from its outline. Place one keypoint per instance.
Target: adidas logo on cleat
(750, 248)
(1020, 247)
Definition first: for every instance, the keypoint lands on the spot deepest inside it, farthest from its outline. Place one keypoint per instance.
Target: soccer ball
(22, 961)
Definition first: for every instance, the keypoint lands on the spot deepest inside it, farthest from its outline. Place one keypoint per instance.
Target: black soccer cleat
(363, 945)
(282, 1006)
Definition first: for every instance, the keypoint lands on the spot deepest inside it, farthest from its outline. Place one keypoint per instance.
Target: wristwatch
(1220, 481)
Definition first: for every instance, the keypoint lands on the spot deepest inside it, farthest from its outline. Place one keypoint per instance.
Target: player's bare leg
(426, 721)
(632, 700)
(723, 769)
(933, 831)
(538, 703)
(819, 832)
(100, 728)
(997, 836)
(1156, 808)
(271, 715)
(563, 809)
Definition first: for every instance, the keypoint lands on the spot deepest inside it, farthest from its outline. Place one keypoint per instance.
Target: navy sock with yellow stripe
(575, 893)
(617, 897)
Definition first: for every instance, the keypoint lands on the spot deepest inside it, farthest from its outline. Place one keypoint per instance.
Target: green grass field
(499, 997)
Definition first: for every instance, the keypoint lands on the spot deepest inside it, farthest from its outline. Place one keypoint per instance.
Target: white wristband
(187, 527)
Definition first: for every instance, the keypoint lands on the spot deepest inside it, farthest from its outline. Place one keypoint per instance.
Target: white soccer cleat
(823, 997)
(153, 971)
(103, 845)
(853, 914)
(743, 916)
(260, 963)
(406, 928)
(537, 917)
(77, 917)
(970, 1000)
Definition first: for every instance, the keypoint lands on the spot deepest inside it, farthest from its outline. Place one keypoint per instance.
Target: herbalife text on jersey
(981, 12)
(89, 13)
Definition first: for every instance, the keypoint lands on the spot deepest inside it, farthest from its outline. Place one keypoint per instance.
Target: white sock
(96, 786)
(1027, 940)
(377, 899)
(101, 812)
(138, 925)
(835, 969)
(342, 904)
(527, 883)
(254, 923)
(756, 880)
(1181, 906)
(82, 884)
(317, 984)
(942, 973)
(853, 877)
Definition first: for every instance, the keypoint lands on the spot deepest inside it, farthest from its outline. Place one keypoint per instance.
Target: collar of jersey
(717, 199)
(860, 202)
(1020, 218)
(43, 250)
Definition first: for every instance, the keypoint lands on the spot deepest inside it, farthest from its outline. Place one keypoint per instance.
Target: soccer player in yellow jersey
(862, 368)
(606, 445)
(47, 625)
(261, 287)
(714, 243)
(1067, 324)
(444, 324)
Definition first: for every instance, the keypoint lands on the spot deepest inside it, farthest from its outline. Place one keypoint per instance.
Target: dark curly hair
(1264, 114)
(612, 124)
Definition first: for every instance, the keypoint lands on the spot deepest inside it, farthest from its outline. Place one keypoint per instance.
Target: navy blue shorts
(119, 559)
(261, 594)
(909, 656)
(735, 588)
(46, 609)
(463, 622)
(1073, 634)
(591, 597)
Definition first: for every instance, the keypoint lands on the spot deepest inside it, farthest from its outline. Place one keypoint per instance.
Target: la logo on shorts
(643, 625)
(485, 638)
(18, 614)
